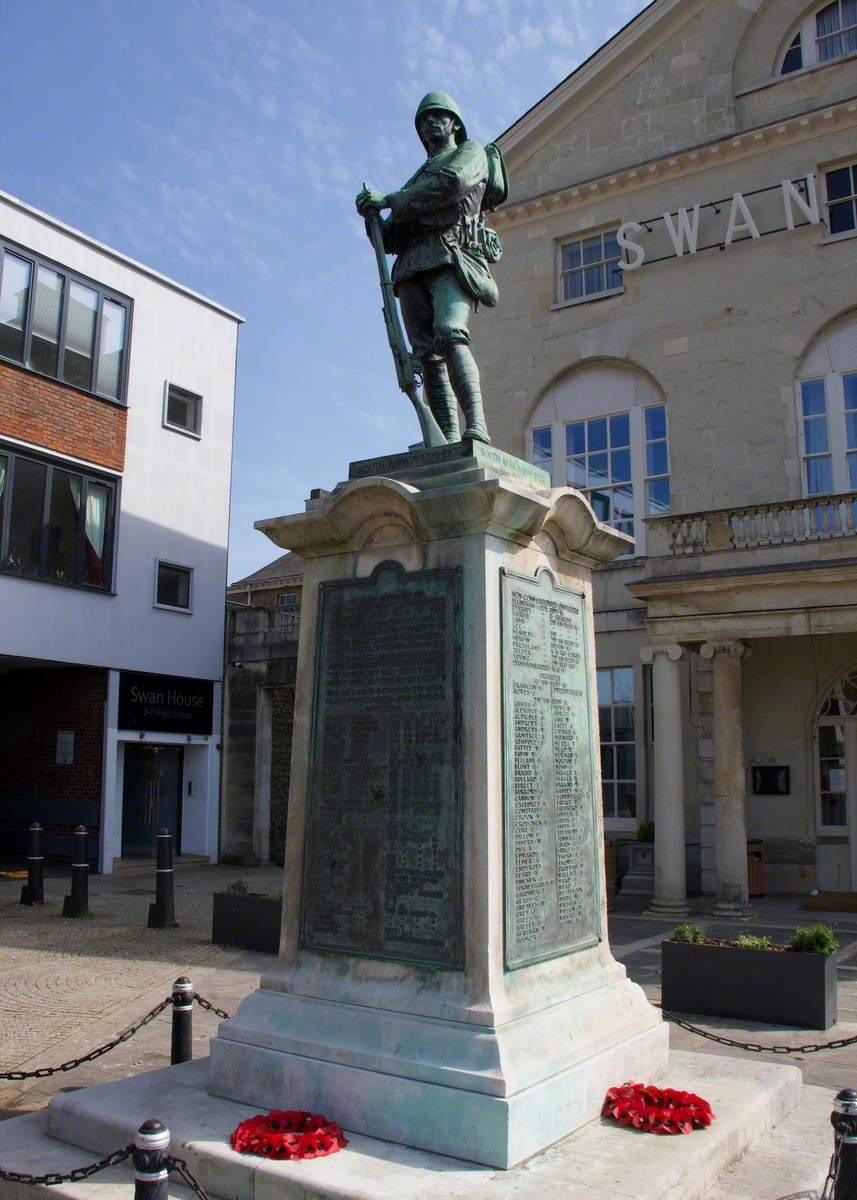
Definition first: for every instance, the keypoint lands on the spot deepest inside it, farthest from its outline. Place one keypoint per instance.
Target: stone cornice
(684, 163)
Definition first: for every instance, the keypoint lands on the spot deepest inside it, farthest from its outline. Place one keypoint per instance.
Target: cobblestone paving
(68, 986)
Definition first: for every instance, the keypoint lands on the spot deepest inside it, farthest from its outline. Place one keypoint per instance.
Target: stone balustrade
(255, 621)
(783, 523)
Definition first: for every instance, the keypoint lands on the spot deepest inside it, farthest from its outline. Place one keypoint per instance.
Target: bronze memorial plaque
(383, 863)
(551, 868)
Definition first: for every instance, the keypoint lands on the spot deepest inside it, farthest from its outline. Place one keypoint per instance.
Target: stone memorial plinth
(444, 977)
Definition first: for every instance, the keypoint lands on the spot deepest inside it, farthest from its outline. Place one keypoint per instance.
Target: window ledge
(197, 437)
(837, 237)
(93, 589)
(173, 608)
(587, 299)
(817, 66)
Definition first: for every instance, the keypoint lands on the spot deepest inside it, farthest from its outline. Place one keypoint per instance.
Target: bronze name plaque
(383, 862)
(551, 866)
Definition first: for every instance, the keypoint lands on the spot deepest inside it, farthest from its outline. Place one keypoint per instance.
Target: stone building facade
(677, 337)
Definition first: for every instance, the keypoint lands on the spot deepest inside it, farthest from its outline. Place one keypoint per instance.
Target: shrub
(237, 888)
(646, 832)
(814, 939)
(753, 941)
(688, 933)
(230, 860)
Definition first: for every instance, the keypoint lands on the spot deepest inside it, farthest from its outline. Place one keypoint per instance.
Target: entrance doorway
(836, 766)
(151, 798)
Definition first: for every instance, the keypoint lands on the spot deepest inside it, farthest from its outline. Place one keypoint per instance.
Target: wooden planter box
(779, 988)
(251, 922)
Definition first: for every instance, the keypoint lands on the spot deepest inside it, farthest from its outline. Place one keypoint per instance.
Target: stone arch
(832, 347)
(765, 39)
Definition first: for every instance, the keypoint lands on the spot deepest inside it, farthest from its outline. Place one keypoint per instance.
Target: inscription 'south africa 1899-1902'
(383, 865)
(552, 889)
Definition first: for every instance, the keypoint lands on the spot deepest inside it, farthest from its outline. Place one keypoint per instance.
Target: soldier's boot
(441, 397)
(464, 376)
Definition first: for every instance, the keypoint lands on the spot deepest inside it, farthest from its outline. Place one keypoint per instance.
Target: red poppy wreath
(288, 1135)
(657, 1110)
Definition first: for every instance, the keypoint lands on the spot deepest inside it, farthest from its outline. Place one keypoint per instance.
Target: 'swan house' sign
(680, 233)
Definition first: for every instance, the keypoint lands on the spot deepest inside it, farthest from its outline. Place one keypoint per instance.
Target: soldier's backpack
(497, 188)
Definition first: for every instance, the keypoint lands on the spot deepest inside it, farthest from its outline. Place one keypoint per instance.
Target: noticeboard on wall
(165, 703)
(771, 781)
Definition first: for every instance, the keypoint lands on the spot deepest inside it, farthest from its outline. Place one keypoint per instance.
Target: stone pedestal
(444, 977)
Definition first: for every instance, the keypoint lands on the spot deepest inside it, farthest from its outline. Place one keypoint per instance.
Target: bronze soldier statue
(443, 248)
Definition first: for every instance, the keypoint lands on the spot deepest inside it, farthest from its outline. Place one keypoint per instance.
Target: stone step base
(599, 1162)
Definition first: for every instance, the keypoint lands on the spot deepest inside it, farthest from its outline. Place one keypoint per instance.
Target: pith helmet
(446, 103)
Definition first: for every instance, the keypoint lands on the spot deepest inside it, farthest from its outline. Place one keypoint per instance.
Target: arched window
(827, 410)
(836, 755)
(825, 34)
(603, 429)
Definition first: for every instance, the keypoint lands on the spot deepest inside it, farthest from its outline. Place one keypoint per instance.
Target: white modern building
(117, 390)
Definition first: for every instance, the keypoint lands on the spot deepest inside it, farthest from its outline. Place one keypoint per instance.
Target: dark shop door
(151, 798)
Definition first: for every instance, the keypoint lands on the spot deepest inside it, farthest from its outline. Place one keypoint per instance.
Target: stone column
(670, 884)
(730, 826)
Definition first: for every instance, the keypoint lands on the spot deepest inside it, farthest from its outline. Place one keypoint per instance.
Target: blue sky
(222, 142)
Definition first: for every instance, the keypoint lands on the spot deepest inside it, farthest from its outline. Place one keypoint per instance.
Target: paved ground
(68, 986)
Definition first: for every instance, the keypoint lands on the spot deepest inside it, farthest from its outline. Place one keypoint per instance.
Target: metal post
(33, 891)
(181, 1049)
(77, 903)
(162, 914)
(151, 1150)
(844, 1122)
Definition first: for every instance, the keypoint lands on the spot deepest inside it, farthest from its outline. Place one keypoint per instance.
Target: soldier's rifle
(405, 373)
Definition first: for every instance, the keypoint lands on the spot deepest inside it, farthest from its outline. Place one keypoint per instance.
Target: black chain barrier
(757, 1047)
(73, 1176)
(183, 1171)
(45, 1072)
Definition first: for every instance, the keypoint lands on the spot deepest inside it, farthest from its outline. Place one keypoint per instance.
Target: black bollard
(844, 1122)
(162, 914)
(77, 903)
(33, 891)
(151, 1151)
(181, 1048)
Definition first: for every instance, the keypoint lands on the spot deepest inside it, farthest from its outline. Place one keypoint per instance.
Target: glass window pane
(851, 430)
(600, 502)
(611, 246)
(615, 276)
(849, 384)
(25, 526)
(608, 803)
(605, 722)
(623, 502)
(852, 472)
(63, 525)
(542, 442)
(592, 250)
(819, 477)
(623, 684)
(833, 810)
(623, 723)
(47, 314)
(575, 473)
(571, 256)
(656, 458)
(607, 768)
(626, 800)
(831, 741)
(620, 431)
(597, 435)
(604, 680)
(594, 280)
(598, 470)
(620, 466)
(575, 438)
(842, 217)
(573, 285)
(626, 765)
(4, 475)
(793, 60)
(815, 436)
(80, 335)
(14, 294)
(656, 422)
(111, 353)
(95, 525)
(813, 398)
(658, 496)
(173, 586)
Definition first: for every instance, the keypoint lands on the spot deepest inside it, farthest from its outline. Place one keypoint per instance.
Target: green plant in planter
(688, 933)
(646, 831)
(814, 939)
(753, 941)
(237, 888)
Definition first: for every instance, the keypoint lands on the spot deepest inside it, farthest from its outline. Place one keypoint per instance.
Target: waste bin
(756, 868)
